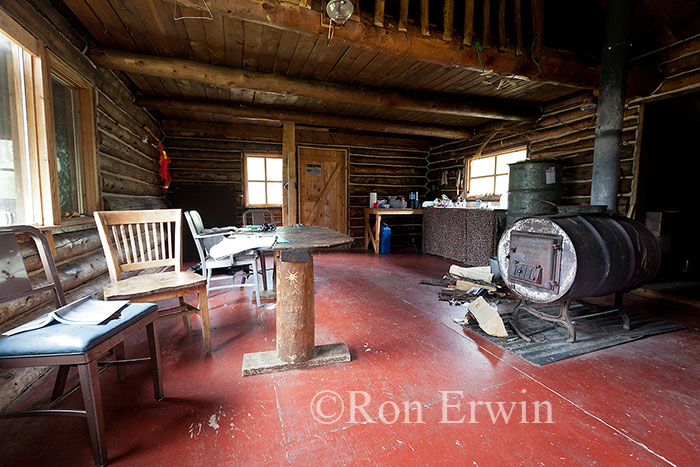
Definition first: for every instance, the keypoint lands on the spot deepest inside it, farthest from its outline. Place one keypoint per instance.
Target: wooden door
(323, 188)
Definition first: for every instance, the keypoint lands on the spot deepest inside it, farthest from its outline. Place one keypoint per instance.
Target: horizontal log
(221, 76)
(238, 132)
(123, 203)
(111, 164)
(206, 164)
(234, 148)
(109, 108)
(379, 171)
(282, 115)
(386, 190)
(403, 180)
(108, 125)
(114, 183)
(67, 245)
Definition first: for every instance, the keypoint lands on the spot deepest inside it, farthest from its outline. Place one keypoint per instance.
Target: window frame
(245, 180)
(495, 175)
(38, 65)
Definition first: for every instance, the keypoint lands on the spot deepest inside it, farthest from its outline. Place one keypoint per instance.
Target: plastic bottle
(403, 202)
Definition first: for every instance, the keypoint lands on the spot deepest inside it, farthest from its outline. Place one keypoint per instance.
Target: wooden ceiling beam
(552, 66)
(281, 115)
(217, 75)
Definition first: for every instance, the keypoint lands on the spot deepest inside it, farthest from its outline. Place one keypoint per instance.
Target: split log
(403, 16)
(425, 17)
(447, 19)
(468, 21)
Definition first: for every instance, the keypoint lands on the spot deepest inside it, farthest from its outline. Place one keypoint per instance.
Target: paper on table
(239, 243)
(488, 318)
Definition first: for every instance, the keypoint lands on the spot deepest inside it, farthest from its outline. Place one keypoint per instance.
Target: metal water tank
(531, 182)
(550, 258)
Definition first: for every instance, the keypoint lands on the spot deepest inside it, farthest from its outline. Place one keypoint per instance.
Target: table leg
(367, 230)
(295, 322)
(377, 233)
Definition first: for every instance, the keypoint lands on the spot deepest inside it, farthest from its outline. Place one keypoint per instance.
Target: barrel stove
(560, 258)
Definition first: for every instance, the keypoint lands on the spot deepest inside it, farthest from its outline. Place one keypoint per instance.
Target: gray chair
(204, 239)
(66, 345)
(260, 217)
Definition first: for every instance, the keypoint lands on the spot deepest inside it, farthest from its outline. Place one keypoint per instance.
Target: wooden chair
(138, 240)
(67, 345)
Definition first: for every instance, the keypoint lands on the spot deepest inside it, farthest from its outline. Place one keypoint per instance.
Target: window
(74, 140)
(48, 170)
(489, 175)
(263, 180)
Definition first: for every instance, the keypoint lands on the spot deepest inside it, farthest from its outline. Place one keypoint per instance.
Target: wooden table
(372, 233)
(295, 304)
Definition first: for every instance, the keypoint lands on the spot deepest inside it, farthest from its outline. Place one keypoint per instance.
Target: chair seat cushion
(148, 284)
(71, 339)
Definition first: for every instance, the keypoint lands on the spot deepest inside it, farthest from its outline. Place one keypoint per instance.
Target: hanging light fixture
(339, 11)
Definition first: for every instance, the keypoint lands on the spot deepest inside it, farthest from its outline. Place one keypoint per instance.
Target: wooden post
(468, 21)
(379, 13)
(295, 306)
(447, 19)
(424, 17)
(517, 18)
(486, 29)
(403, 15)
(502, 25)
(289, 157)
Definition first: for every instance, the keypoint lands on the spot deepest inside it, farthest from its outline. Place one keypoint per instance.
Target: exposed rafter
(217, 75)
(554, 66)
(241, 112)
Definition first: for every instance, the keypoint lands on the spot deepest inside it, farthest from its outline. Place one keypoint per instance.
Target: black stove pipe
(611, 103)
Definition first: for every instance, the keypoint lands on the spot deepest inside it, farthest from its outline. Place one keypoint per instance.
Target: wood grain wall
(128, 179)
(387, 165)
(565, 132)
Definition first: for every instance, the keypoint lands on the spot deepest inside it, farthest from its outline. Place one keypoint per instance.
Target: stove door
(535, 260)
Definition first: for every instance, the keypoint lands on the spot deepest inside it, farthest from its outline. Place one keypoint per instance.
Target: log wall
(389, 166)
(127, 172)
(565, 132)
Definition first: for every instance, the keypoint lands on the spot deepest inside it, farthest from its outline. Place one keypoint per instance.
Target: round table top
(308, 237)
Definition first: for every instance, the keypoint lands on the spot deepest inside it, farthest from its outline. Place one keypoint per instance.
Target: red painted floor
(413, 371)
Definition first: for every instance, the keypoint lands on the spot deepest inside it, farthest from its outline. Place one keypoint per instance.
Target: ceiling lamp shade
(339, 11)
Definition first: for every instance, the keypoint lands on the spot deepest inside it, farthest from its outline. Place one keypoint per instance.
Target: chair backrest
(14, 280)
(257, 217)
(194, 221)
(136, 240)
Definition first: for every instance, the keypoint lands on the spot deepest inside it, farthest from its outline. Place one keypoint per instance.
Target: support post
(611, 103)
(289, 171)
(295, 306)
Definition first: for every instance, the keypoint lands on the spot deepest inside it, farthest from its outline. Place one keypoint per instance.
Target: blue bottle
(384, 239)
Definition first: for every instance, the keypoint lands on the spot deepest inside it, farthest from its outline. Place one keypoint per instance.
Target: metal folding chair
(67, 345)
(204, 241)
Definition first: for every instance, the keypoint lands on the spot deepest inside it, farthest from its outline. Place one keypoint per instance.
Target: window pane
(256, 193)
(274, 170)
(481, 186)
(65, 114)
(503, 160)
(501, 184)
(15, 188)
(481, 167)
(274, 193)
(256, 168)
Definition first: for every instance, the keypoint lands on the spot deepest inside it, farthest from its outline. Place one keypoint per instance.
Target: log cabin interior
(440, 175)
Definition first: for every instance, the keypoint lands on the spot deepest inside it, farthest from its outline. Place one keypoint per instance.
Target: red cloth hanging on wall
(164, 162)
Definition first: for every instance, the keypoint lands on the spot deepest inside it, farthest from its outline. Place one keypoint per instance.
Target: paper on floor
(240, 243)
(487, 317)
